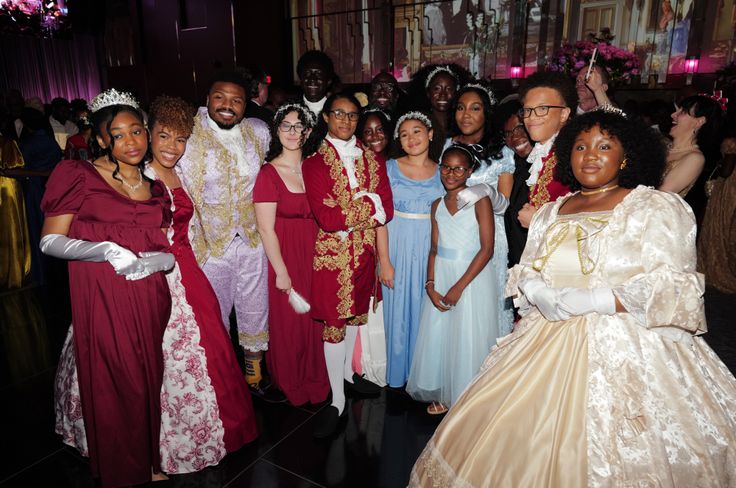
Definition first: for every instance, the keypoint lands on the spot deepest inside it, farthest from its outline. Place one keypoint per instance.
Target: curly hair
(237, 76)
(386, 123)
(173, 113)
(555, 80)
(492, 141)
(309, 144)
(643, 149)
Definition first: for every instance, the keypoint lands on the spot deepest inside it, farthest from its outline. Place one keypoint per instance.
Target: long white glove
(581, 301)
(122, 260)
(153, 262)
(380, 214)
(472, 194)
(544, 298)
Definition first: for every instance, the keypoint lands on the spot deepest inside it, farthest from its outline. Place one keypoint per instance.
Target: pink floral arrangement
(571, 58)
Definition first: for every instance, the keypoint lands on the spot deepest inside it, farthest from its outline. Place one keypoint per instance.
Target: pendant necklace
(135, 187)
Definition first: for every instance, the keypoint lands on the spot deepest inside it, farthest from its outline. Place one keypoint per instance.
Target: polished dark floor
(377, 447)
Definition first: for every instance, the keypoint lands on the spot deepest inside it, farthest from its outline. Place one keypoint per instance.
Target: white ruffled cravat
(233, 140)
(315, 107)
(348, 152)
(539, 151)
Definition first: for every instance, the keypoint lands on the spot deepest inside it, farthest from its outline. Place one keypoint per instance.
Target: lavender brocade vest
(221, 184)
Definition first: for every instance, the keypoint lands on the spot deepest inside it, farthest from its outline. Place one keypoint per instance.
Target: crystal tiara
(412, 116)
(113, 97)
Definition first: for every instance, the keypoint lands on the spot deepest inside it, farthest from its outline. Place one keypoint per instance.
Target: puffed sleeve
(348, 214)
(506, 163)
(523, 271)
(265, 189)
(65, 189)
(10, 156)
(668, 292)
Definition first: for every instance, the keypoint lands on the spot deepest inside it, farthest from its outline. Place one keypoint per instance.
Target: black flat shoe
(267, 393)
(327, 421)
(362, 386)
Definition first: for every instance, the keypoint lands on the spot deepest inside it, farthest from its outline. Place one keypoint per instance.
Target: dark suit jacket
(515, 233)
(253, 110)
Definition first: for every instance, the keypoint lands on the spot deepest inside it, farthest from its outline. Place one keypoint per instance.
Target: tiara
(377, 110)
(113, 97)
(610, 109)
(717, 97)
(491, 97)
(284, 109)
(412, 116)
(437, 70)
(472, 150)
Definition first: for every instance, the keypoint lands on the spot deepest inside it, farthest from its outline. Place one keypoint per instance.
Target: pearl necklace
(599, 190)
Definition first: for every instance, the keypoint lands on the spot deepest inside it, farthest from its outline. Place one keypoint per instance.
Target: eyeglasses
(516, 130)
(341, 114)
(539, 111)
(458, 171)
(287, 127)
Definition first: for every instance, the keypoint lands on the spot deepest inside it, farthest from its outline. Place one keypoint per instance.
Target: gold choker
(599, 190)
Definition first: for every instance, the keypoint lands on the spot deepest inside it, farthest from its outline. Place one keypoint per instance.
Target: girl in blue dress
(403, 244)
(472, 124)
(457, 324)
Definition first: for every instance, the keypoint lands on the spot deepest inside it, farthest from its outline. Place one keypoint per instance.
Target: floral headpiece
(414, 115)
(377, 110)
(718, 97)
(439, 69)
(488, 91)
(113, 97)
(298, 107)
(610, 109)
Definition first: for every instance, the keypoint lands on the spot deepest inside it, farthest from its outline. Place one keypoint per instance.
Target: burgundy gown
(295, 355)
(234, 403)
(118, 324)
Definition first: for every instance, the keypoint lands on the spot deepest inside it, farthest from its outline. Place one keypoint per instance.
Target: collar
(315, 107)
(540, 151)
(346, 149)
(222, 134)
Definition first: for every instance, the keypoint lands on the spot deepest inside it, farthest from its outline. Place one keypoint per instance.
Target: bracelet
(429, 282)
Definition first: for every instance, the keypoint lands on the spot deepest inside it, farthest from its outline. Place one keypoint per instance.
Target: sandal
(437, 408)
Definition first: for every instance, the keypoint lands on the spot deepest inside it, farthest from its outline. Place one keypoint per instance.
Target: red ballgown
(118, 324)
(295, 355)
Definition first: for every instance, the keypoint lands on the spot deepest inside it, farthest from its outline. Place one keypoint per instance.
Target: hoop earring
(624, 163)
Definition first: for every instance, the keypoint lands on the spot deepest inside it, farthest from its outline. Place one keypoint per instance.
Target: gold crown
(113, 97)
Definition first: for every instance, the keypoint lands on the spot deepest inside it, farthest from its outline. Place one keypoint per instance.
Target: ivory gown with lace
(630, 400)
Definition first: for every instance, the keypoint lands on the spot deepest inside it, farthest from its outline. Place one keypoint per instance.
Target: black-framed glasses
(458, 171)
(539, 111)
(516, 130)
(341, 114)
(287, 127)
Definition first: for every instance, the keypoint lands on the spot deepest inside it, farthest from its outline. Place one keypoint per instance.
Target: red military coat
(547, 188)
(344, 268)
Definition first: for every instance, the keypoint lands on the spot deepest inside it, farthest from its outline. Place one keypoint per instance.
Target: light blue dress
(452, 345)
(409, 239)
(488, 173)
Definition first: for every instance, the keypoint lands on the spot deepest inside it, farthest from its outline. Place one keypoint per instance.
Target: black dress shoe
(268, 393)
(327, 421)
(362, 386)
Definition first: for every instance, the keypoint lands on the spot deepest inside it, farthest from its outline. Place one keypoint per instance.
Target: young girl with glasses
(288, 231)
(457, 319)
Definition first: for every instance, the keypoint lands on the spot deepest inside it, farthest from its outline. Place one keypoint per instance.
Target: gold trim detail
(332, 334)
(539, 194)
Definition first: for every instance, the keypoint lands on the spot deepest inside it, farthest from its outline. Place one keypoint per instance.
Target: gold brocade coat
(345, 257)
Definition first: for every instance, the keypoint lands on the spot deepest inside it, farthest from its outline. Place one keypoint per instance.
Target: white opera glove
(153, 262)
(582, 301)
(472, 194)
(546, 299)
(380, 214)
(122, 260)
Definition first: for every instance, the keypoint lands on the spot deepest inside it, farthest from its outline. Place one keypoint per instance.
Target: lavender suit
(219, 170)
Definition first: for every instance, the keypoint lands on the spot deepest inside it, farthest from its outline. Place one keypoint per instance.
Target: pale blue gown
(452, 345)
(488, 173)
(409, 236)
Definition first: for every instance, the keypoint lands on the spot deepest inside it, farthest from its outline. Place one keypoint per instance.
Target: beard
(222, 125)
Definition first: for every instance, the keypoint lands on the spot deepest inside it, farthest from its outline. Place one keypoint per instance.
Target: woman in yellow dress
(604, 381)
(15, 258)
